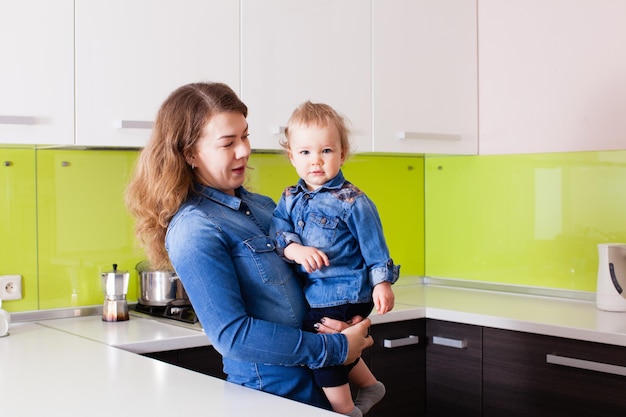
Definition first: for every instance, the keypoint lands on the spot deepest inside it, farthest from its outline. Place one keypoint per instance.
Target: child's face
(315, 152)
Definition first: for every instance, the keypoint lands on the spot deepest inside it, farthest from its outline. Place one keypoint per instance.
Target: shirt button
(247, 212)
(323, 221)
(300, 223)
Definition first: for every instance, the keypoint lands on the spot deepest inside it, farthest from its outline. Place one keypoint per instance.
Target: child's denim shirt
(340, 220)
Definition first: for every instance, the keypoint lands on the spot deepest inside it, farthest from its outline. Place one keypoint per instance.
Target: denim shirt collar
(220, 197)
(335, 183)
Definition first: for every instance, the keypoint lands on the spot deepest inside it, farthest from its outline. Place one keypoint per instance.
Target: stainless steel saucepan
(158, 287)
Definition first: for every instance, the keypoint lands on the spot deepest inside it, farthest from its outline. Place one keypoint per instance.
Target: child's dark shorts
(334, 376)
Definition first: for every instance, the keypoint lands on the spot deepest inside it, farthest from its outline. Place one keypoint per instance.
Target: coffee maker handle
(618, 287)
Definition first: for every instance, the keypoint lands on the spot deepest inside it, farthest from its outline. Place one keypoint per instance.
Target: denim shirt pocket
(321, 230)
(262, 250)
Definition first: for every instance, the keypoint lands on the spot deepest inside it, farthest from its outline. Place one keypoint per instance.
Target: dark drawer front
(398, 361)
(453, 369)
(522, 377)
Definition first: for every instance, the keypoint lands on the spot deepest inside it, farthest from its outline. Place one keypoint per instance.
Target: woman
(194, 215)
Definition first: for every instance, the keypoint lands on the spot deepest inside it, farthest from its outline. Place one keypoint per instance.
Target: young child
(332, 230)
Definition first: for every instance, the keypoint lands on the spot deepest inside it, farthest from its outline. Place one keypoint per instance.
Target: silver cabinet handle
(136, 124)
(428, 136)
(453, 343)
(18, 120)
(405, 341)
(584, 364)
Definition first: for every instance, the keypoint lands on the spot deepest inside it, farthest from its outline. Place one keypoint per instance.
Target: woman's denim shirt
(249, 301)
(340, 220)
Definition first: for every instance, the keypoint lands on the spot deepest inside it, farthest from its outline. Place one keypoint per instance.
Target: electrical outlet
(10, 287)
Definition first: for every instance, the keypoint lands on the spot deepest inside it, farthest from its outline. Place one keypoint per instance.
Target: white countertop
(137, 335)
(552, 316)
(84, 366)
(47, 372)
(574, 319)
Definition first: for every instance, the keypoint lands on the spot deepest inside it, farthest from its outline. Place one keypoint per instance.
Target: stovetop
(174, 313)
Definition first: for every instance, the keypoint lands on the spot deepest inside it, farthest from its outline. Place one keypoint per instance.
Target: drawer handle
(18, 120)
(136, 124)
(588, 365)
(405, 341)
(453, 343)
(428, 136)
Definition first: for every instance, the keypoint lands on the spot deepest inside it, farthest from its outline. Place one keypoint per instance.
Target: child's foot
(355, 413)
(369, 396)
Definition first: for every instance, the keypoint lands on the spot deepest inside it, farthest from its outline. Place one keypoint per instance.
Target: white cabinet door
(37, 72)
(131, 54)
(298, 50)
(552, 75)
(425, 76)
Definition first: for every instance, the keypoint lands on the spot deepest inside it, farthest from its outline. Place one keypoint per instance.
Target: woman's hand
(356, 330)
(358, 339)
(330, 326)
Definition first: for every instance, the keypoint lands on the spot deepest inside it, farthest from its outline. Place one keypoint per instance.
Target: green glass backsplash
(524, 219)
(18, 224)
(63, 219)
(83, 225)
(519, 219)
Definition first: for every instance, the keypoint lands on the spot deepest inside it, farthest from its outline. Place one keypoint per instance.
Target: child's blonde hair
(318, 114)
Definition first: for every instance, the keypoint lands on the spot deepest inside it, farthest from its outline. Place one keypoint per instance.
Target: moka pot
(115, 285)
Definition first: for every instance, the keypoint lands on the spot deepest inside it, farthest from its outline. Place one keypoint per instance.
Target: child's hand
(309, 257)
(383, 297)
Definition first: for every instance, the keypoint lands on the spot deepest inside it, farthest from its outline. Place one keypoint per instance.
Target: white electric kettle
(611, 287)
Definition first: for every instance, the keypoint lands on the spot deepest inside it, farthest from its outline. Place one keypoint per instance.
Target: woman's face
(221, 154)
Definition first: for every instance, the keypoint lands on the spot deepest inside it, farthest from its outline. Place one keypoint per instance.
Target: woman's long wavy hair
(163, 179)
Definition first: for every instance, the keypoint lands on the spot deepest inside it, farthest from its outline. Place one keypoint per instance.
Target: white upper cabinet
(552, 75)
(298, 50)
(425, 81)
(131, 54)
(37, 72)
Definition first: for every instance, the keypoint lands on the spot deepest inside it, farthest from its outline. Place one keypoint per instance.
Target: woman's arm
(203, 258)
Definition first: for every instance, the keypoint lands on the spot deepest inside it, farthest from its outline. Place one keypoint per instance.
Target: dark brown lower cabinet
(204, 359)
(397, 359)
(527, 374)
(439, 368)
(453, 369)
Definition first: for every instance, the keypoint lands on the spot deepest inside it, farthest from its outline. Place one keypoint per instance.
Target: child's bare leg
(340, 399)
(371, 391)
(361, 376)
